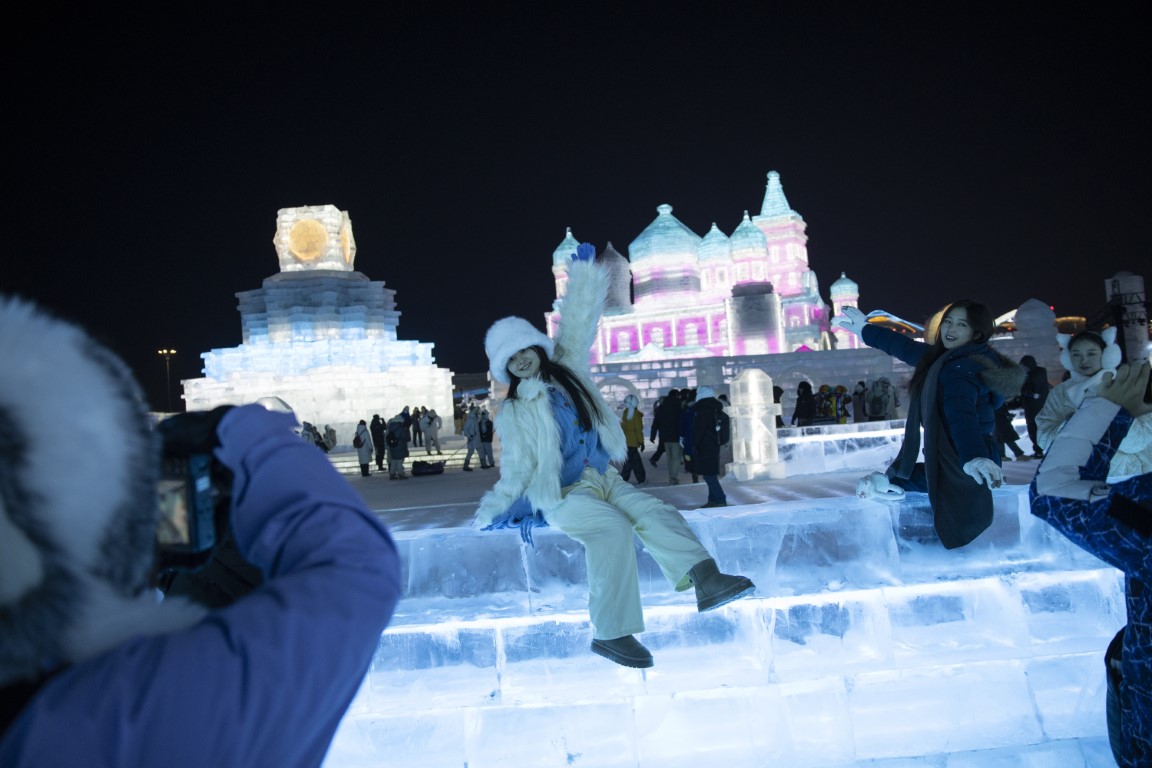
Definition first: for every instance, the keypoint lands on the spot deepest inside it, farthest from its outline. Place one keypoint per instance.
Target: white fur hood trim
(78, 532)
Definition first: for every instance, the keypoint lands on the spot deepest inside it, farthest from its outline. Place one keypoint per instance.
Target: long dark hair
(564, 376)
(980, 320)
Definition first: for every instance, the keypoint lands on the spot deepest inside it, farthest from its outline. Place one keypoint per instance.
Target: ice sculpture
(321, 336)
(753, 415)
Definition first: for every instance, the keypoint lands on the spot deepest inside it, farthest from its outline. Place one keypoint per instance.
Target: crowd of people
(878, 400)
(385, 440)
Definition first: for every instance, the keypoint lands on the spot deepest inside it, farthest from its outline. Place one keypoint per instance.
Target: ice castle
(749, 293)
(321, 336)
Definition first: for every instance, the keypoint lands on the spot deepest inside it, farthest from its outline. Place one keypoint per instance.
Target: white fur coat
(529, 436)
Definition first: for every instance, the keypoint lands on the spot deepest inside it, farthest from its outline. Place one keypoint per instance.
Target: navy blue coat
(704, 440)
(970, 389)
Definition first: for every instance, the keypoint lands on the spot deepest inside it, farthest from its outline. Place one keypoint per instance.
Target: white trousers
(602, 511)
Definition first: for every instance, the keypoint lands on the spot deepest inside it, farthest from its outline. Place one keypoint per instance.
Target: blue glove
(584, 252)
(535, 520)
(525, 523)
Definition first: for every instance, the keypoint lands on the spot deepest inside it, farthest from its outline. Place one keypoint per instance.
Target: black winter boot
(625, 651)
(714, 589)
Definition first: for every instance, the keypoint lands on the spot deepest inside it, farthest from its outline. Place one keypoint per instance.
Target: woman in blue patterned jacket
(1114, 523)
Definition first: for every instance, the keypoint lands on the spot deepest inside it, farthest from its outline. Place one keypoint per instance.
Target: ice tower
(748, 293)
(321, 336)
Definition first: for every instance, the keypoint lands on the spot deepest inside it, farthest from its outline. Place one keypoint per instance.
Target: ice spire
(775, 204)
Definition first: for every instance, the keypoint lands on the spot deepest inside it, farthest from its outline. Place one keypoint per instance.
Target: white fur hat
(703, 393)
(508, 336)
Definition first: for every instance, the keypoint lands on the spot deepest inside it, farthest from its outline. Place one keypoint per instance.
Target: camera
(189, 526)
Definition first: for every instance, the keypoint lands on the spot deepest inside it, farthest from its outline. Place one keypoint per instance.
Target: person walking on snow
(431, 424)
(364, 449)
(709, 431)
(559, 437)
(376, 429)
(397, 440)
(633, 425)
(486, 430)
(471, 433)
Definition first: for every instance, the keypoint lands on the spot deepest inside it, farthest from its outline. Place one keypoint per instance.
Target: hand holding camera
(194, 491)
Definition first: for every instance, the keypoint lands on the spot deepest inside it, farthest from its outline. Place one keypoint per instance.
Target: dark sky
(1000, 153)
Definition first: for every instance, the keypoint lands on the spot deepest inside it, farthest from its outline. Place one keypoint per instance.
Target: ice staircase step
(867, 643)
(817, 680)
(796, 547)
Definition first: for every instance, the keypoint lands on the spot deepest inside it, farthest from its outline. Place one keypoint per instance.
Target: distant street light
(167, 355)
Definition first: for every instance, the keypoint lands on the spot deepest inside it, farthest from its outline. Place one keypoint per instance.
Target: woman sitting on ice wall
(559, 436)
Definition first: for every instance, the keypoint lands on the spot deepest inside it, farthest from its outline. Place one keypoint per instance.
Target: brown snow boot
(714, 589)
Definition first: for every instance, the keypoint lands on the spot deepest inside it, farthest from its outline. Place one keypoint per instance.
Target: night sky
(1001, 154)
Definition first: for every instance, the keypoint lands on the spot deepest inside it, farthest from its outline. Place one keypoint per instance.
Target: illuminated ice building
(748, 293)
(685, 310)
(322, 337)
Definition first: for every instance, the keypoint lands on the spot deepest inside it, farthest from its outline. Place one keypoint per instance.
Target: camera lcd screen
(173, 528)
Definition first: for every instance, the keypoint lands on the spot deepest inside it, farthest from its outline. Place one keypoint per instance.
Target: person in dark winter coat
(1111, 521)
(859, 411)
(1006, 434)
(376, 429)
(777, 397)
(486, 431)
(958, 384)
(1033, 395)
(705, 441)
(687, 419)
(396, 438)
(559, 440)
(417, 429)
(652, 437)
(805, 411)
(96, 671)
(667, 427)
(471, 433)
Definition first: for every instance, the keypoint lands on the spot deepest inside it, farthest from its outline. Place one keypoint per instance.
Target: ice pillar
(753, 413)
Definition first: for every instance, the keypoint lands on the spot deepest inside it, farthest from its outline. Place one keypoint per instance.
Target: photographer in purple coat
(96, 669)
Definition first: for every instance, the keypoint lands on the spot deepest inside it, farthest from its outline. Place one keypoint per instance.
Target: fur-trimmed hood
(1002, 376)
(77, 533)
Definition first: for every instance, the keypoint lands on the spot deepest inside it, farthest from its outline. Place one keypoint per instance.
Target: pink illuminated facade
(681, 296)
